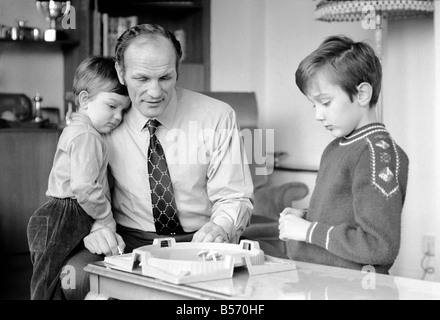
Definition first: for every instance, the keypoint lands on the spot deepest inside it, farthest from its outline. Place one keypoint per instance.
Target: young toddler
(78, 188)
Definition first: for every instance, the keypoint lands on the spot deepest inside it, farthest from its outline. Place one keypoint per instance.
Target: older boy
(354, 217)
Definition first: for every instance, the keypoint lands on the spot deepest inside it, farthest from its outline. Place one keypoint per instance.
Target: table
(307, 282)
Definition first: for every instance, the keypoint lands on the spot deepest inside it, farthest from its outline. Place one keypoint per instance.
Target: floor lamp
(372, 15)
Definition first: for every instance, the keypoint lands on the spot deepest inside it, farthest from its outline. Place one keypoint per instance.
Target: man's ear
(83, 99)
(120, 72)
(365, 92)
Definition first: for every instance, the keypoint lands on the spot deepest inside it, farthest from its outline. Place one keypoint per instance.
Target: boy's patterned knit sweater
(357, 203)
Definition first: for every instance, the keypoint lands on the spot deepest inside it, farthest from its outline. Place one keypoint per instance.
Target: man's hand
(104, 241)
(292, 226)
(211, 232)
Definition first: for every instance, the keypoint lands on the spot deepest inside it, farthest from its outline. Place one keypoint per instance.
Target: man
(211, 185)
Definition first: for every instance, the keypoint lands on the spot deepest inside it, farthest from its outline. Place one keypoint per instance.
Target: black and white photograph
(227, 155)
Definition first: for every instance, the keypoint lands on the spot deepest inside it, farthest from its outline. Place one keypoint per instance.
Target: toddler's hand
(104, 241)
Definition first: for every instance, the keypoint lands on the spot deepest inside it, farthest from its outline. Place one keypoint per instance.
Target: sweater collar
(362, 132)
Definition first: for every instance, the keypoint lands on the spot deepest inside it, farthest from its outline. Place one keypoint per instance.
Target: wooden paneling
(192, 76)
(25, 163)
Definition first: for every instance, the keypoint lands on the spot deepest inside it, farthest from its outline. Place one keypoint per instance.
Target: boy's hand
(104, 241)
(292, 226)
(296, 212)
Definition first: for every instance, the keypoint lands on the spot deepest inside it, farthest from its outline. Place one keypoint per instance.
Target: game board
(187, 262)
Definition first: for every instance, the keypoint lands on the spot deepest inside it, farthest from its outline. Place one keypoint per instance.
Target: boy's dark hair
(95, 75)
(349, 63)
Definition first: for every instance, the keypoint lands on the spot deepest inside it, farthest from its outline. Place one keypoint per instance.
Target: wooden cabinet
(191, 17)
(25, 163)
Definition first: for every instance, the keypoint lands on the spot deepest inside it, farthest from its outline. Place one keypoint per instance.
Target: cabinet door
(25, 163)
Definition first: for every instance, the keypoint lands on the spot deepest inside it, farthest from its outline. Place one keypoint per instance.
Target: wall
(436, 137)
(279, 37)
(28, 69)
(410, 93)
(238, 46)
(288, 33)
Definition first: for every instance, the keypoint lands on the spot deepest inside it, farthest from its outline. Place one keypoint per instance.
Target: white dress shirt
(206, 161)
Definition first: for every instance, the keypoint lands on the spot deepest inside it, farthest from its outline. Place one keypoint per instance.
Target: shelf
(141, 7)
(63, 44)
(172, 3)
(168, 4)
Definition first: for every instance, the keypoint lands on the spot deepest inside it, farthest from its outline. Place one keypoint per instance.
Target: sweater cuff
(319, 234)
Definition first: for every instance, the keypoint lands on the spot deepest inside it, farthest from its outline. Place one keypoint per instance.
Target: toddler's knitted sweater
(357, 202)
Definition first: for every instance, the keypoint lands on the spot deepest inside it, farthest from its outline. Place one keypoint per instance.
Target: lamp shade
(354, 10)
(357, 10)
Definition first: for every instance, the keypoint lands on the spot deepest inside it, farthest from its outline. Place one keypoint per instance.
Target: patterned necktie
(165, 216)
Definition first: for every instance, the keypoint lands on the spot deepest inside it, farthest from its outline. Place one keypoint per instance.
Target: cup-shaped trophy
(53, 11)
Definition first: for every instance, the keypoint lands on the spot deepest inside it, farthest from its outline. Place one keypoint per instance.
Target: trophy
(38, 118)
(52, 11)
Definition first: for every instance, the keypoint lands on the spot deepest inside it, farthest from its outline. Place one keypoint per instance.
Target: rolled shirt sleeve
(229, 185)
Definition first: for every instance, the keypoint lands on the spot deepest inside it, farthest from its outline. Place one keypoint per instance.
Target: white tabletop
(307, 282)
(319, 282)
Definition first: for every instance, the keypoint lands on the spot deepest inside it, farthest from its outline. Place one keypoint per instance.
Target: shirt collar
(167, 117)
(76, 116)
(136, 120)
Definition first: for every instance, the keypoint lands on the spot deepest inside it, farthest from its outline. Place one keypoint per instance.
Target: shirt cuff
(99, 224)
